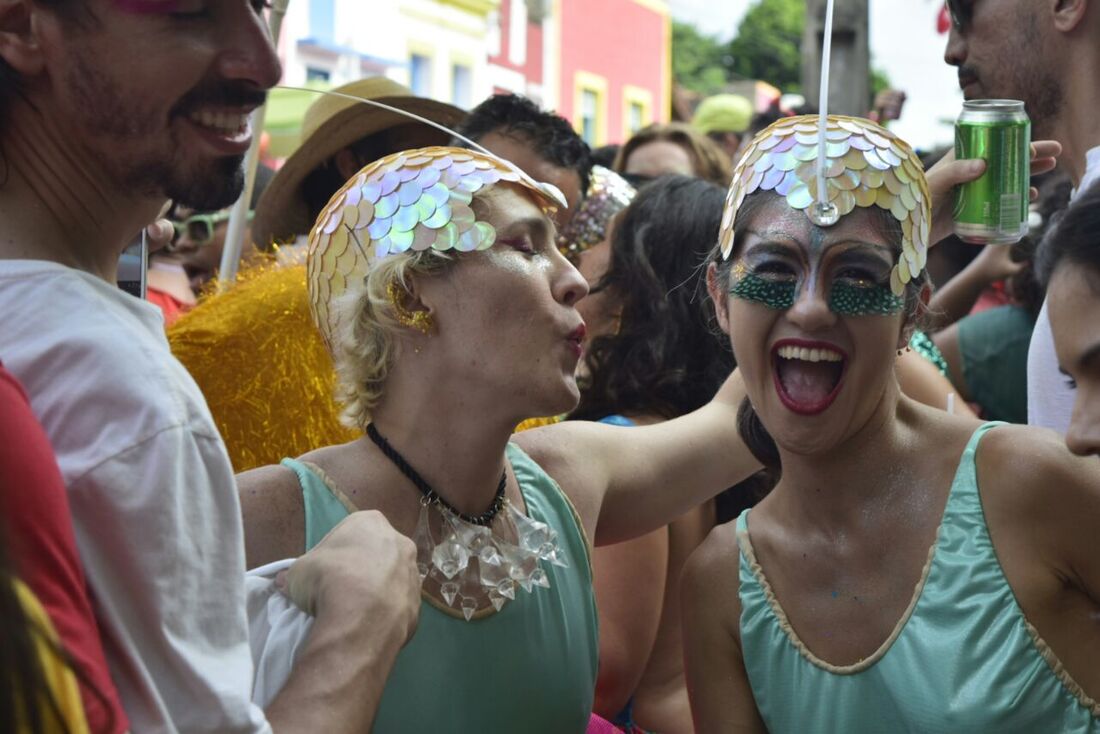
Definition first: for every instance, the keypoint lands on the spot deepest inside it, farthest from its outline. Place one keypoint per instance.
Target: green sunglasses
(200, 227)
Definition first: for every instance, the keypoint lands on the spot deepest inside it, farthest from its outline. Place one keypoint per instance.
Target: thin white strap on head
(397, 111)
(824, 213)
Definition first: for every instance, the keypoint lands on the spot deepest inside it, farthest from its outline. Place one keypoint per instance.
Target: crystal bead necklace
(472, 563)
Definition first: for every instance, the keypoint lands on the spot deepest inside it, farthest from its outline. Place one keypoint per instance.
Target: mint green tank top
(963, 660)
(531, 667)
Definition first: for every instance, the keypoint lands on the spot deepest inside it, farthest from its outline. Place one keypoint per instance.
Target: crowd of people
(498, 433)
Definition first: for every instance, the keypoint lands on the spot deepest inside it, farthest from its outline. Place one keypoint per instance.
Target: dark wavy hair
(1074, 239)
(551, 135)
(664, 360)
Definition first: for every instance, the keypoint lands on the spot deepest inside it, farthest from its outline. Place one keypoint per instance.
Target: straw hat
(330, 124)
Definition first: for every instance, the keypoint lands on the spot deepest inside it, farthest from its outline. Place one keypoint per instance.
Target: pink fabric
(599, 725)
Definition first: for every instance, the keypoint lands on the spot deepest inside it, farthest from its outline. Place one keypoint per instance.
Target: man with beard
(1048, 55)
(107, 109)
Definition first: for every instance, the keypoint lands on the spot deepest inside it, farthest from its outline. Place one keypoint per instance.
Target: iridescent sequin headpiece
(608, 194)
(415, 200)
(865, 165)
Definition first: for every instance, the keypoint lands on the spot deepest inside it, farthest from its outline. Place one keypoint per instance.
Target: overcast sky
(904, 44)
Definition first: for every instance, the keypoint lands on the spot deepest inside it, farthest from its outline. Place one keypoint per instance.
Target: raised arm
(717, 684)
(621, 479)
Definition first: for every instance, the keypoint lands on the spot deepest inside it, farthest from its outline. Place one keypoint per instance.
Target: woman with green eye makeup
(912, 570)
(436, 283)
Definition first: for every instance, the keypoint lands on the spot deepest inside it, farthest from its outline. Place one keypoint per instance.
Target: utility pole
(850, 78)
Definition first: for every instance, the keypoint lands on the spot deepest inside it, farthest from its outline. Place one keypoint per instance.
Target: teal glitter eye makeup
(775, 294)
(864, 298)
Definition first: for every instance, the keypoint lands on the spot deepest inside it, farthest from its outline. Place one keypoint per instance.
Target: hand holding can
(993, 209)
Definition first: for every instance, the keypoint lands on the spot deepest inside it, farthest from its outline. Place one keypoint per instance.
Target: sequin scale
(608, 194)
(867, 165)
(413, 200)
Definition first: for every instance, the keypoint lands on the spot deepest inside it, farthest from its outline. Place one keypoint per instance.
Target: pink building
(605, 65)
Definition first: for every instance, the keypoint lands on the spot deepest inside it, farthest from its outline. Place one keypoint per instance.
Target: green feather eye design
(864, 298)
(775, 294)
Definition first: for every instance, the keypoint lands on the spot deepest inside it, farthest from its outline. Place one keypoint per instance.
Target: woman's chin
(560, 400)
(805, 435)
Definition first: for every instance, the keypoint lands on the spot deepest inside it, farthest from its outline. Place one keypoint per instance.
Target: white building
(438, 48)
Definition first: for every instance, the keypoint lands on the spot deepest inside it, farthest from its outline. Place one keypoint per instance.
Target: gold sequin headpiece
(866, 165)
(413, 200)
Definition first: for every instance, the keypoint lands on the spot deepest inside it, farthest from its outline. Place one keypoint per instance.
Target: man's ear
(719, 298)
(20, 46)
(1069, 14)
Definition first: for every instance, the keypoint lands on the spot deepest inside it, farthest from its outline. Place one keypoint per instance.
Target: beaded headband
(864, 165)
(415, 200)
(608, 194)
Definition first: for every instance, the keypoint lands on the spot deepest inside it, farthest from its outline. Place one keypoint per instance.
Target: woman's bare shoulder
(272, 514)
(1030, 467)
(711, 575)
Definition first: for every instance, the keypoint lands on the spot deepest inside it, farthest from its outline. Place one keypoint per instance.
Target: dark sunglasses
(961, 12)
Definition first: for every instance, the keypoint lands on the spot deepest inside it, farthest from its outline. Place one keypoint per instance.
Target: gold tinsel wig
(261, 364)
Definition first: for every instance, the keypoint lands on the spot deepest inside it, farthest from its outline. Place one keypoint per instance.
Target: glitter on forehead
(608, 194)
(414, 200)
(867, 165)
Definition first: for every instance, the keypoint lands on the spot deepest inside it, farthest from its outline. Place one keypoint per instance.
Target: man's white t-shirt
(152, 492)
(1049, 396)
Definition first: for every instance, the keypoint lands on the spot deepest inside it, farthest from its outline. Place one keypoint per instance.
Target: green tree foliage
(768, 44)
(880, 81)
(768, 47)
(698, 61)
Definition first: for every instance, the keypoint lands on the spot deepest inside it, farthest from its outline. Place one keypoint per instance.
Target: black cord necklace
(484, 519)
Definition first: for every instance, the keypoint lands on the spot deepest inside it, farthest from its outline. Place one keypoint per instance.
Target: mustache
(221, 94)
(967, 74)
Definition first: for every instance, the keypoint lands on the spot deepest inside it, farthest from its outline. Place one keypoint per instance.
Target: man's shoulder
(97, 368)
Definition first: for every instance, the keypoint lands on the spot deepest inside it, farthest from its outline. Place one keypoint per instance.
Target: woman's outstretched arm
(626, 482)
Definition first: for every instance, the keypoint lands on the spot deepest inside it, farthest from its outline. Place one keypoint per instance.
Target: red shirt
(171, 306)
(35, 508)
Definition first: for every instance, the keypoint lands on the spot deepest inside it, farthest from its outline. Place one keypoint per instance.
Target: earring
(419, 320)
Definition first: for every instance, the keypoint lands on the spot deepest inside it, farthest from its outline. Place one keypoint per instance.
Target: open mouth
(808, 375)
(229, 128)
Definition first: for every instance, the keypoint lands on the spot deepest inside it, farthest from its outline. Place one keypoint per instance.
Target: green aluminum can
(994, 209)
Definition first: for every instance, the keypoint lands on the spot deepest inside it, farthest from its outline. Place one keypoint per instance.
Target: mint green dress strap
(531, 667)
(962, 659)
(324, 507)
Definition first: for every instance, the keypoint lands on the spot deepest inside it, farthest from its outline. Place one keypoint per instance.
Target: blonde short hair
(365, 346)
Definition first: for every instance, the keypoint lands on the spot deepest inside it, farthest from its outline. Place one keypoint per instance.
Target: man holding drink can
(1046, 55)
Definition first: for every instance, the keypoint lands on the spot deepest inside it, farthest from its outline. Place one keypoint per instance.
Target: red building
(603, 64)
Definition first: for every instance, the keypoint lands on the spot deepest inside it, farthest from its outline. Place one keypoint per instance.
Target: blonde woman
(452, 317)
